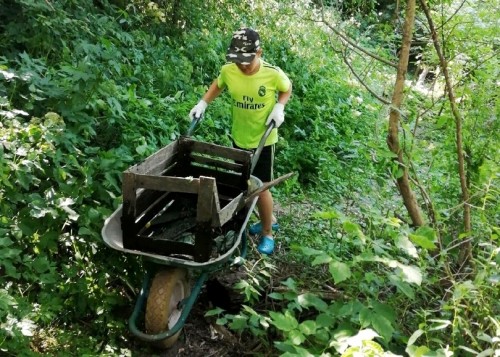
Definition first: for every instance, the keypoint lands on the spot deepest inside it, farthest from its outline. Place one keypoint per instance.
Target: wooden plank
(266, 186)
(217, 150)
(129, 194)
(208, 202)
(168, 183)
(224, 178)
(228, 211)
(216, 163)
(208, 199)
(155, 163)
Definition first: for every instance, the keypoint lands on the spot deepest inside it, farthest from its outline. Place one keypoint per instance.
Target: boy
(259, 92)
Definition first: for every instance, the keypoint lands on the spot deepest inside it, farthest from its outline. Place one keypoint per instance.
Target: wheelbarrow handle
(262, 142)
(194, 122)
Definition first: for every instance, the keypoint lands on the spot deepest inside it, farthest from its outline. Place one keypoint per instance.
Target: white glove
(198, 110)
(277, 115)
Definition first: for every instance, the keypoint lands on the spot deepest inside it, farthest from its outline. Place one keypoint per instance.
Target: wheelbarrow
(185, 211)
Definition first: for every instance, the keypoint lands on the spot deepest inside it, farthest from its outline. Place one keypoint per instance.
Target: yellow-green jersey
(253, 98)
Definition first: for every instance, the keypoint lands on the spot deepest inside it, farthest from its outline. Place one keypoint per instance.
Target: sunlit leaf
(339, 271)
(284, 322)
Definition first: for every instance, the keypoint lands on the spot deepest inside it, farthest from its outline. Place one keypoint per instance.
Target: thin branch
(372, 92)
(352, 44)
(458, 124)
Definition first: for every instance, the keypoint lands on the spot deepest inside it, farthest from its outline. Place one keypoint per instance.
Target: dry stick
(466, 251)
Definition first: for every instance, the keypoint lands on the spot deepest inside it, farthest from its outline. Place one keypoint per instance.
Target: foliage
(91, 87)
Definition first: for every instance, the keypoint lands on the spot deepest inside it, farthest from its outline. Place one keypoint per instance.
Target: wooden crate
(196, 185)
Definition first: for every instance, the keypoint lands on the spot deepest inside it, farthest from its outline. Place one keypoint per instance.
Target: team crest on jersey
(262, 91)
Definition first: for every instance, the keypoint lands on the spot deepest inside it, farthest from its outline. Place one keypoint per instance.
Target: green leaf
(365, 317)
(405, 288)
(325, 320)
(327, 215)
(284, 322)
(403, 243)
(213, 312)
(382, 325)
(411, 274)
(439, 324)
(290, 283)
(322, 259)
(414, 336)
(308, 327)
(276, 296)
(6, 300)
(296, 337)
(340, 271)
(238, 323)
(424, 237)
(422, 241)
(311, 300)
(310, 251)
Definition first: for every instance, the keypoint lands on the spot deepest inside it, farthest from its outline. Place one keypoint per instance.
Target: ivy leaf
(340, 271)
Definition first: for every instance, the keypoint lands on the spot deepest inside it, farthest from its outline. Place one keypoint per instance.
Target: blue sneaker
(266, 245)
(256, 228)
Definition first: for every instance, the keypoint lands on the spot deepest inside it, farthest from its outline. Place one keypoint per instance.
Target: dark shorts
(264, 168)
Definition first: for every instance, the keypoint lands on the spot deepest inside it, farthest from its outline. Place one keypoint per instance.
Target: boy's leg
(265, 206)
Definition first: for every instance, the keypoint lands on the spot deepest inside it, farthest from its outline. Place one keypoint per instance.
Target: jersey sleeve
(283, 82)
(222, 79)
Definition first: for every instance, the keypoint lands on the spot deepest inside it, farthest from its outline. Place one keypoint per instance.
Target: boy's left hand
(278, 115)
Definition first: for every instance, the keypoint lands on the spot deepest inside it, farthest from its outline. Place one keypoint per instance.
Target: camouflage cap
(244, 46)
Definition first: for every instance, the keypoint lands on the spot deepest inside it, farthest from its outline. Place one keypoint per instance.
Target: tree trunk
(403, 182)
(466, 249)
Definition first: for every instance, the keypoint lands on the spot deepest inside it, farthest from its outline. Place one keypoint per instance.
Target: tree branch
(372, 92)
(352, 44)
(466, 252)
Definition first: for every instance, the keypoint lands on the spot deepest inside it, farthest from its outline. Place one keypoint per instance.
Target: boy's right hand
(198, 110)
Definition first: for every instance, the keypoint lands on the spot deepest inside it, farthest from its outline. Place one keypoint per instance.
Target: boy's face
(252, 67)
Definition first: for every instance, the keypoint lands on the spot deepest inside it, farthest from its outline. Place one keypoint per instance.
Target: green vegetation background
(88, 88)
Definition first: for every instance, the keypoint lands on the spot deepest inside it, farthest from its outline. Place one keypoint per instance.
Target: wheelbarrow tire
(168, 288)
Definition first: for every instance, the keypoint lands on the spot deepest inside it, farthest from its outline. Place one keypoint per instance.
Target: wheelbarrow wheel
(168, 289)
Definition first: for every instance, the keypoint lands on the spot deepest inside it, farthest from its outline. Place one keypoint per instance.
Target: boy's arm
(278, 113)
(212, 93)
(283, 97)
